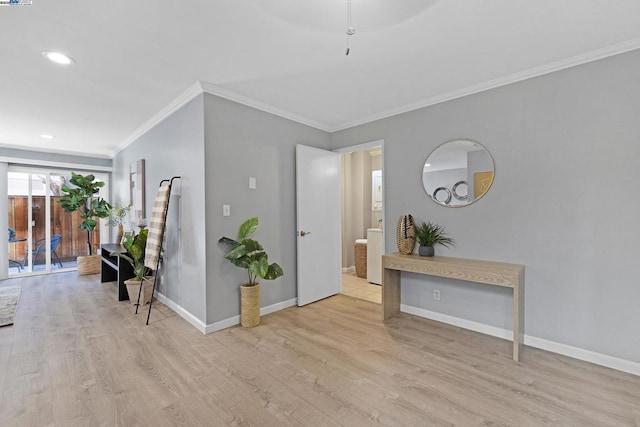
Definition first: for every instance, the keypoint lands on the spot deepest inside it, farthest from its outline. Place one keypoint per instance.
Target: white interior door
(319, 222)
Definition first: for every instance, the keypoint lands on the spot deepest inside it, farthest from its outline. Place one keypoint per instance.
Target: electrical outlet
(436, 294)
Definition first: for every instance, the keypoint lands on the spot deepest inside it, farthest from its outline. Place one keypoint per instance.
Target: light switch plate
(226, 210)
(252, 183)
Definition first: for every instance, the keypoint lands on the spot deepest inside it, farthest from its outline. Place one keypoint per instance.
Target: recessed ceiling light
(47, 136)
(58, 58)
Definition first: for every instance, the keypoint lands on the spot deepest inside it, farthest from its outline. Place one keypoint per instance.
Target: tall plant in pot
(248, 254)
(430, 234)
(136, 246)
(83, 197)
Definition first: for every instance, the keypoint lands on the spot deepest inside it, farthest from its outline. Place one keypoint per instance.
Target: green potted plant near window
(250, 255)
(428, 235)
(117, 216)
(82, 197)
(136, 247)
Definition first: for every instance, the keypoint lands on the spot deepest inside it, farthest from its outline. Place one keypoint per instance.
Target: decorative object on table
(430, 234)
(250, 255)
(117, 217)
(136, 247)
(83, 197)
(406, 234)
(9, 296)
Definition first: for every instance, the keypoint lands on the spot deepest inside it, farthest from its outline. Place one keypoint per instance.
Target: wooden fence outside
(73, 241)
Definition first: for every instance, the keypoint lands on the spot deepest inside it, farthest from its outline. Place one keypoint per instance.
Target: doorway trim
(361, 147)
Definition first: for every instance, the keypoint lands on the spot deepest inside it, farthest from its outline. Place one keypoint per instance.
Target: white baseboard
(349, 270)
(182, 312)
(554, 347)
(235, 320)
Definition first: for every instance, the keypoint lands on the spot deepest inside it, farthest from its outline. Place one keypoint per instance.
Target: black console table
(114, 268)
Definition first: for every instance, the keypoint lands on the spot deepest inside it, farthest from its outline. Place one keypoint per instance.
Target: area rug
(9, 296)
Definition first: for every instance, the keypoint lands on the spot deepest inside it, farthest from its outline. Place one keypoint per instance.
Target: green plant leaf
(259, 267)
(247, 228)
(273, 272)
(228, 241)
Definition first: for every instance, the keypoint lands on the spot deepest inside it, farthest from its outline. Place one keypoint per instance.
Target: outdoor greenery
(250, 255)
(82, 196)
(430, 234)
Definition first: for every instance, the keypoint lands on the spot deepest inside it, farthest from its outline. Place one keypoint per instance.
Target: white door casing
(319, 224)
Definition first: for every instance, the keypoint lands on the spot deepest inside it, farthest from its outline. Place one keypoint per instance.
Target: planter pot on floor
(133, 288)
(89, 264)
(250, 305)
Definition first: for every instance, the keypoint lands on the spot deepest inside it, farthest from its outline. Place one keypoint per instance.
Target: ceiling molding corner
(180, 101)
(552, 67)
(259, 105)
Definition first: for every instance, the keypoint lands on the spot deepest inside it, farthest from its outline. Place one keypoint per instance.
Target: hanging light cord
(350, 30)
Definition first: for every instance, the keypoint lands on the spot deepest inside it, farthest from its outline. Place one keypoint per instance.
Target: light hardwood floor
(77, 357)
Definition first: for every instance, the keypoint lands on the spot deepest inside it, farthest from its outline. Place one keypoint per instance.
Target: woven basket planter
(89, 264)
(250, 305)
(406, 234)
(133, 288)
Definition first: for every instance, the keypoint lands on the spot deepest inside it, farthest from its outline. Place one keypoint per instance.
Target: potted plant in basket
(428, 235)
(83, 197)
(117, 216)
(136, 246)
(250, 255)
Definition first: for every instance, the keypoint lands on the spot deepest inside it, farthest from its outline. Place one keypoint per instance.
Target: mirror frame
(452, 193)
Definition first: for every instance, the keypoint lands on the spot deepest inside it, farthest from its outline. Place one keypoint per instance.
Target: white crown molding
(562, 64)
(205, 87)
(259, 105)
(180, 101)
(554, 347)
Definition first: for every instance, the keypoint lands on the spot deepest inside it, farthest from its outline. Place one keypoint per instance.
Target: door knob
(303, 233)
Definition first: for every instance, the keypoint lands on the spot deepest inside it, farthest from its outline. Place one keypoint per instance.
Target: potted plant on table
(82, 197)
(250, 255)
(428, 235)
(117, 216)
(136, 247)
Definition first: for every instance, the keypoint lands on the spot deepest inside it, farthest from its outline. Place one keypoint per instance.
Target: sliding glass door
(42, 237)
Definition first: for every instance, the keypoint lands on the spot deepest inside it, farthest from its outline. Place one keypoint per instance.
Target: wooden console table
(114, 268)
(487, 272)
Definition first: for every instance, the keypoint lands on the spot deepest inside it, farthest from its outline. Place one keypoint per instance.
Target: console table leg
(518, 316)
(390, 293)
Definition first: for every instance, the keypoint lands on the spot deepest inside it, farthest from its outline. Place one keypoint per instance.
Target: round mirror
(457, 173)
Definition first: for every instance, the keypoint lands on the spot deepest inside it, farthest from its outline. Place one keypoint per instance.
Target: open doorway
(362, 197)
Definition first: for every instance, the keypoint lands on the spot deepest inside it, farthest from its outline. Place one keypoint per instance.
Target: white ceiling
(134, 58)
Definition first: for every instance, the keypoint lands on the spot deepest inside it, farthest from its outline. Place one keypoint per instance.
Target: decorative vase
(426, 251)
(120, 234)
(133, 289)
(406, 234)
(250, 305)
(89, 264)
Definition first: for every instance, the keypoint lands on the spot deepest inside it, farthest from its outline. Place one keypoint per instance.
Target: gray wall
(243, 142)
(4, 219)
(39, 157)
(175, 147)
(565, 147)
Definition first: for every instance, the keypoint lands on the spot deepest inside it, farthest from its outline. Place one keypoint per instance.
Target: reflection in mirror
(457, 173)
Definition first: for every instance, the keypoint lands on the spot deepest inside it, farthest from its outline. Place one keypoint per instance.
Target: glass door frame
(48, 172)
